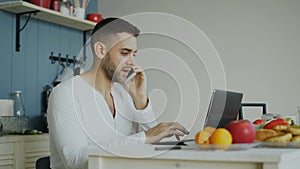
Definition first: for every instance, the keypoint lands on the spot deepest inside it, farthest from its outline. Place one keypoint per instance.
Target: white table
(145, 157)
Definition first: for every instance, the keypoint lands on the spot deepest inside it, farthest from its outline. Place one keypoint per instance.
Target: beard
(110, 69)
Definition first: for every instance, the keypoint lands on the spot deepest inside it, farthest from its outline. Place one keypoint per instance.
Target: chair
(263, 105)
(43, 163)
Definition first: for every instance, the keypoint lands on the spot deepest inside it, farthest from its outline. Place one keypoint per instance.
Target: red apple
(242, 131)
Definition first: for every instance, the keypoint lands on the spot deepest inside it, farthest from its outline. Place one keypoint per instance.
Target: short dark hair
(110, 27)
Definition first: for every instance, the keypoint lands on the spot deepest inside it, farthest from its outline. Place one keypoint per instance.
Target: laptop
(223, 107)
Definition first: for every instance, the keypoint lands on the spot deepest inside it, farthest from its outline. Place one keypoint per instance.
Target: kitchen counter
(22, 151)
(27, 138)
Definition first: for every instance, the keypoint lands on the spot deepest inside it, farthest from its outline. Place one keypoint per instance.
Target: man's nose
(130, 60)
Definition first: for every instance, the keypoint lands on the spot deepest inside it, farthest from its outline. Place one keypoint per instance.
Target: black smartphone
(130, 76)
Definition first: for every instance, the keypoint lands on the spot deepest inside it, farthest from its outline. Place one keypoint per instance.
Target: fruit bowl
(281, 145)
(227, 147)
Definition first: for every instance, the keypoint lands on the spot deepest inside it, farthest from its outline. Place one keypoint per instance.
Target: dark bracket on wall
(18, 29)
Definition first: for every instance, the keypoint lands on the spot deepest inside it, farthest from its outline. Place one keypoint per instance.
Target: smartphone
(130, 76)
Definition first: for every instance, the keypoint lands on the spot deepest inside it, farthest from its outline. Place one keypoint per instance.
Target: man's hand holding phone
(136, 86)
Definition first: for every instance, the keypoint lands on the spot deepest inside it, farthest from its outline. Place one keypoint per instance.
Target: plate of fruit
(279, 133)
(237, 135)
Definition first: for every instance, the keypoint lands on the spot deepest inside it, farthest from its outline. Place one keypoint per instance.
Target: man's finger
(177, 126)
(137, 69)
(170, 133)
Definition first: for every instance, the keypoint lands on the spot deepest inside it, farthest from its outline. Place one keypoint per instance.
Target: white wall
(258, 42)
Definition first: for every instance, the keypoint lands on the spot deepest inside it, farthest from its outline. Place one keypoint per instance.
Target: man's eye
(124, 53)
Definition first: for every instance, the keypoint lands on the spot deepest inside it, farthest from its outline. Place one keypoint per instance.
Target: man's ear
(100, 50)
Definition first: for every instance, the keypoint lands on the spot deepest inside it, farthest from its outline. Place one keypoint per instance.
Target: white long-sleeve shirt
(79, 118)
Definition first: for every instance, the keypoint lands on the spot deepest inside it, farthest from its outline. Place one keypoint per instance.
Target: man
(98, 107)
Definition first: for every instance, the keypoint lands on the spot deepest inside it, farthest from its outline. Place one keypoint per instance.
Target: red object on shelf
(55, 5)
(42, 3)
(94, 17)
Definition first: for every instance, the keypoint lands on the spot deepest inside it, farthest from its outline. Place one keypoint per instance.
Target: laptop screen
(223, 107)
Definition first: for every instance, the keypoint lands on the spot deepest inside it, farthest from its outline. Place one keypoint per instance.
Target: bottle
(55, 5)
(298, 116)
(1, 128)
(19, 109)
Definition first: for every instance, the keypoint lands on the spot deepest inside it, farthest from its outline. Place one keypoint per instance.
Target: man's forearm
(140, 102)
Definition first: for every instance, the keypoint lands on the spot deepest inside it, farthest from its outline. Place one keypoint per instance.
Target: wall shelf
(24, 8)
(47, 15)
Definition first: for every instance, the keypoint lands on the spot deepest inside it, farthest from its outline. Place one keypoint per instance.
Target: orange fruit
(202, 137)
(209, 129)
(221, 136)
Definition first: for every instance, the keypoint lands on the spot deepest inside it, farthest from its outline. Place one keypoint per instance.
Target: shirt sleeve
(138, 138)
(145, 118)
(67, 136)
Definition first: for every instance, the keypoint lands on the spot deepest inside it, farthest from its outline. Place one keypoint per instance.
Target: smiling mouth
(125, 72)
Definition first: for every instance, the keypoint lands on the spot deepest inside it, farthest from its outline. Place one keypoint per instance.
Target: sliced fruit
(263, 134)
(280, 128)
(281, 138)
(259, 121)
(202, 137)
(273, 123)
(294, 130)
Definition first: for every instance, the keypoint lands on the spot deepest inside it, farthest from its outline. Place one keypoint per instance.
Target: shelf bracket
(18, 29)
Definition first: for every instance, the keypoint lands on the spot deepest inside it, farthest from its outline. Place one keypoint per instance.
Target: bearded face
(109, 69)
(119, 60)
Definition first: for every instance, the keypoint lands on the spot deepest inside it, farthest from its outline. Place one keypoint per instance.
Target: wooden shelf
(48, 15)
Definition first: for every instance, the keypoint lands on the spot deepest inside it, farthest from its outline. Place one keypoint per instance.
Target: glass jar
(19, 109)
(66, 7)
(267, 117)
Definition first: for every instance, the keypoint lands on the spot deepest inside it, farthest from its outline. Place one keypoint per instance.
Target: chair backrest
(43, 163)
(263, 105)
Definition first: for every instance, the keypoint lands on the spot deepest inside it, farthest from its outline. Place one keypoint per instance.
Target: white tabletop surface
(190, 153)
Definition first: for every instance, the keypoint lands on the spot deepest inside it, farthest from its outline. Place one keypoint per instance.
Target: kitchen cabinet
(21, 152)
